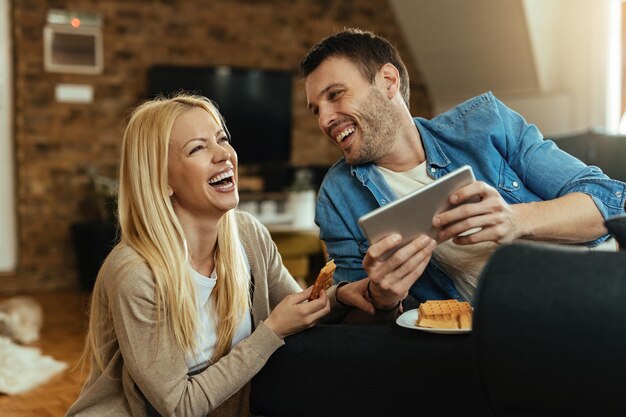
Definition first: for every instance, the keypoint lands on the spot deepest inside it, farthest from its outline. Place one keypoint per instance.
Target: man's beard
(379, 123)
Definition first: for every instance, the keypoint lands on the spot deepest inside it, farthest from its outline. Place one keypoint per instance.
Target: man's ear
(390, 79)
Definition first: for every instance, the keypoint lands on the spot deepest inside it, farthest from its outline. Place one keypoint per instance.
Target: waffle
(324, 280)
(445, 314)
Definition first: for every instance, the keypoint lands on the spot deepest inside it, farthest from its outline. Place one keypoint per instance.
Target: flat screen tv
(256, 105)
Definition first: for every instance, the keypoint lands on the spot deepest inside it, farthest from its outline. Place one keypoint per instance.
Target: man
(358, 88)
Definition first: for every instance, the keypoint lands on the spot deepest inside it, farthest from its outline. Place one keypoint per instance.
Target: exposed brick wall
(57, 143)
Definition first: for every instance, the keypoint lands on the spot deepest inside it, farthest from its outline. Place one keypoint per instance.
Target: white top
(207, 335)
(462, 263)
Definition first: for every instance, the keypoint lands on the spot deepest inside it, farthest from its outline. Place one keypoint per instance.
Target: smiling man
(358, 88)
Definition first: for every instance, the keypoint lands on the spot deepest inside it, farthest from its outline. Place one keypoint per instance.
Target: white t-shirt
(462, 263)
(207, 335)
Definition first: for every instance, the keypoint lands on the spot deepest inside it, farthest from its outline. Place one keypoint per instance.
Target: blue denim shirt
(502, 149)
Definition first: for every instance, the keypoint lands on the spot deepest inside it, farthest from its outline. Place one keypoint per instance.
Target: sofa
(549, 339)
(608, 152)
(549, 331)
(370, 371)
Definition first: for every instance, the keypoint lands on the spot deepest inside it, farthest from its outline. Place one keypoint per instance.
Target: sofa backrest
(608, 152)
(550, 331)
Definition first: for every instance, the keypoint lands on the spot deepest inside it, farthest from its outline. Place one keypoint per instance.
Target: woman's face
(202, 167)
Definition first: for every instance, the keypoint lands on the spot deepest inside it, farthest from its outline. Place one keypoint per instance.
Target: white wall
(8, 239)
(552, 60)
(572, 48)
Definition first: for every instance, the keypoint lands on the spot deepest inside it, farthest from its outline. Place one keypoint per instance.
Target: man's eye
(334, 94)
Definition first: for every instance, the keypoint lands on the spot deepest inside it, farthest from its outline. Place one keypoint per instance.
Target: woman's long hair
(149, 225)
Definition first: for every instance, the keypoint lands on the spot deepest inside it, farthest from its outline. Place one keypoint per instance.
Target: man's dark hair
(365, 49)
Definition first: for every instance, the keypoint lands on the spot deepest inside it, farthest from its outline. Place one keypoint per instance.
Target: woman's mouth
(223, 181)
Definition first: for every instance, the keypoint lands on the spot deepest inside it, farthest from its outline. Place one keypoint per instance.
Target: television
(256, 105)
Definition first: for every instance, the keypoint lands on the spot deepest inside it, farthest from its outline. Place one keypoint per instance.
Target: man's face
(355, 115)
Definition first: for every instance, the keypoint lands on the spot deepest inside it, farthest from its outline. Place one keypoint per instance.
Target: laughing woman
(194, 299)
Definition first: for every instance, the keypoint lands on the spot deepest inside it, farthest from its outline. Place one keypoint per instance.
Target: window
(617, 76)
(8, 239)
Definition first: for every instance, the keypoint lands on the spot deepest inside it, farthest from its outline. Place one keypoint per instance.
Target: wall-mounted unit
(73, 42)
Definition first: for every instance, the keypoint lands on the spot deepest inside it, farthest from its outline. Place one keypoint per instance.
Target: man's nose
(326, 117)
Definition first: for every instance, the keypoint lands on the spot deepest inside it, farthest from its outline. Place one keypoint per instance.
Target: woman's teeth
(340, 137)
(221, 177)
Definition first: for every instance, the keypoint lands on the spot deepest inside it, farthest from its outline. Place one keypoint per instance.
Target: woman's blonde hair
(149, 225)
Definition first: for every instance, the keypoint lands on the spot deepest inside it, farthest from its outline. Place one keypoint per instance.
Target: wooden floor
(62, 338)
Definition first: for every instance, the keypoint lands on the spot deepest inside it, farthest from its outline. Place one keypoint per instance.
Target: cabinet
(302, 251)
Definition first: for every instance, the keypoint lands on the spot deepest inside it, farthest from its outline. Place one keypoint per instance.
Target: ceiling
(464, 48)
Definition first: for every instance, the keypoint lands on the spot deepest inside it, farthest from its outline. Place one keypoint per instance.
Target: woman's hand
(391, 278)
(293, 314)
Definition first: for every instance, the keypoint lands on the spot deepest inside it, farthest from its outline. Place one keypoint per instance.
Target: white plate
(409, 318)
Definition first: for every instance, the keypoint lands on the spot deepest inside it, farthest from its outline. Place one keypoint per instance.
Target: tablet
(412, 215)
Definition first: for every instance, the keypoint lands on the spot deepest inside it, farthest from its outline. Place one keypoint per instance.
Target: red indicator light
(75, 22)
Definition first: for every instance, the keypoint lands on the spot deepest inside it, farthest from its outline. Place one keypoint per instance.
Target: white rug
(23, 368)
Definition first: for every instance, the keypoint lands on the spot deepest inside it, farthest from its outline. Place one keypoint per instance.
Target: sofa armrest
(369, 371)
(548, 321)
(617, 227)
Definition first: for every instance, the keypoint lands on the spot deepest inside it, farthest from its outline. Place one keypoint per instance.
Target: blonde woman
(194, 299)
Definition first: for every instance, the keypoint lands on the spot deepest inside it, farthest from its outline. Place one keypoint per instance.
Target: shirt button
(515, 184)
(618, 194)
(433, 170)
(383, 201)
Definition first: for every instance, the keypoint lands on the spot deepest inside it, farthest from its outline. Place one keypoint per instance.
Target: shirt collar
(434, 154)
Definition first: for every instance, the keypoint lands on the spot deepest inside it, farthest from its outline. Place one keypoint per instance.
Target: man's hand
(495, 218)
(355, 294)
(572, 218)
(391, 279)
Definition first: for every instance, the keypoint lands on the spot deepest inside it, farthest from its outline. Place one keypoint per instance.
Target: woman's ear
(170, 192)
(390, 77)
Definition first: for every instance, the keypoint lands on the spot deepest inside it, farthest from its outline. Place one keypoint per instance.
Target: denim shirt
(503, 150)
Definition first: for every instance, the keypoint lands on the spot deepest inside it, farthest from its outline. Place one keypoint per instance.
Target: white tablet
(412, 215)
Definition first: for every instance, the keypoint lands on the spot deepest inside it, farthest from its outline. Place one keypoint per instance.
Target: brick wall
(57, 143)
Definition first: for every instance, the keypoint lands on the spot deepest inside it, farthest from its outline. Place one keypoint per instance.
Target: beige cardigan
(146, 374)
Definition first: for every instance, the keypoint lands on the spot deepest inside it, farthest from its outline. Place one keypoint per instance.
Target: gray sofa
(549, 339)
(608, 152)
(550, 330)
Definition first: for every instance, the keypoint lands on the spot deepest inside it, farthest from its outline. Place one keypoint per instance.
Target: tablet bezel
(420, 206)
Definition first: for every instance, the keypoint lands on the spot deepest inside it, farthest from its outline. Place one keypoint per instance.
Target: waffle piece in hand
(324, 280)
(445, 314)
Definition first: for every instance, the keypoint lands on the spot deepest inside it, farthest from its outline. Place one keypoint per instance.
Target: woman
(194, 299)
